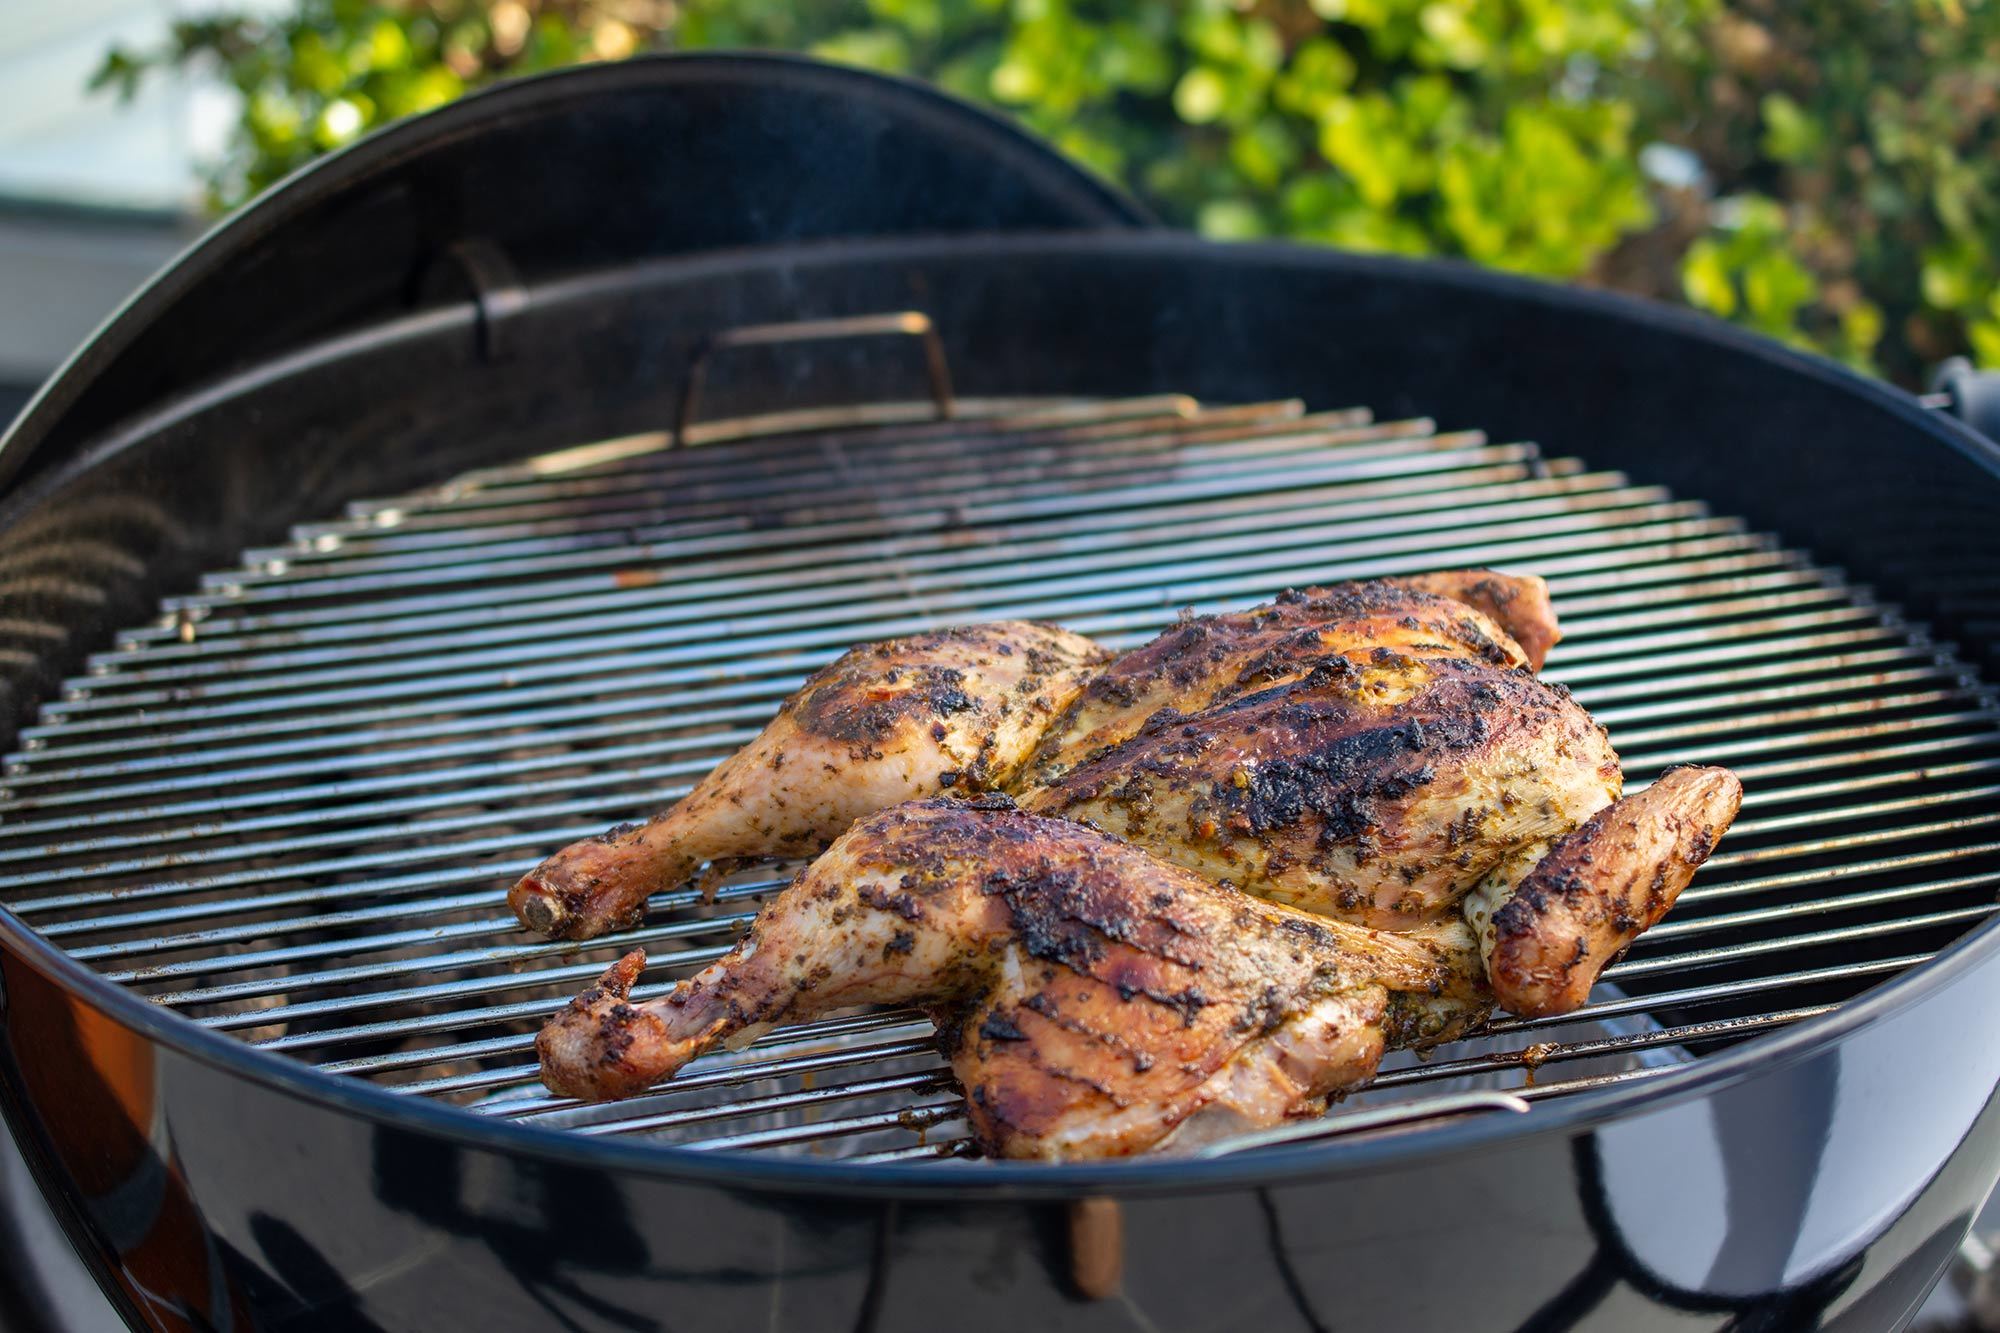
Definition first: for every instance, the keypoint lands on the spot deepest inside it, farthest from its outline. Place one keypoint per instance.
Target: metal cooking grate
(289, 810)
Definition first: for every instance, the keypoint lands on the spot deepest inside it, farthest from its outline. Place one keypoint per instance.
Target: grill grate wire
(288, 809)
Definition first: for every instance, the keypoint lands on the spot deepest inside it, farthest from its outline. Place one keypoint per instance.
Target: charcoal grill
(323, 642)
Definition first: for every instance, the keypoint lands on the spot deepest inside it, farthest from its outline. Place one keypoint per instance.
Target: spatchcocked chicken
(1379, 756)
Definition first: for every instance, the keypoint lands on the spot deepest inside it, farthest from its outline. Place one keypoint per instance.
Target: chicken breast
(1377, 788)
(1208, 658)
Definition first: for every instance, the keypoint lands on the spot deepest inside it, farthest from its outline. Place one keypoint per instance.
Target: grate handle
(905, 323)
(1356, 1122)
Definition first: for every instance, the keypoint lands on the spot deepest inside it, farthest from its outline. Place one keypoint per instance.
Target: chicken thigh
(1093, 1000)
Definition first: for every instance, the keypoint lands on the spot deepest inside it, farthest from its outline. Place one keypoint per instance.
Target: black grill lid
(598, 165)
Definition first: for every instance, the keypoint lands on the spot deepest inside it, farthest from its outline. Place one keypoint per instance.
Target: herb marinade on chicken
(960, 709)
(1092, 999)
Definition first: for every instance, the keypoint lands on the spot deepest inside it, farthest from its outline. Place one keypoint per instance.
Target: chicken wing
(884, 723)
(1551, 917)
(1093, 1000)
(1517, 603)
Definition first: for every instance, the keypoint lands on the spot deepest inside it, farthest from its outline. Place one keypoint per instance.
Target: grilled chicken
(1430, 829)
(1093, 1000)
(1376, 788)
(962, 709)
(967, 710)
(1549, 921)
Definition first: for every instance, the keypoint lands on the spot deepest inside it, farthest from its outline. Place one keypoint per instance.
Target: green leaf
(1230, 220)
(1360, 137)
(1984, 336)
(1775, 285)
(1861, 330)
(1264, 152)
(1705, 279)
(884, 49)
(1200, 95)
(1460, 42)
(1951, 277)
(120, 71)
(1790, 135)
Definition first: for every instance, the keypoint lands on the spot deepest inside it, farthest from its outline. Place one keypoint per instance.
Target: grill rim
(24, 488)
(1135, 1176)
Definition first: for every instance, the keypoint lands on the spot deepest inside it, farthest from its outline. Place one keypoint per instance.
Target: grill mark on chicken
(1200, 661)
(871, 713)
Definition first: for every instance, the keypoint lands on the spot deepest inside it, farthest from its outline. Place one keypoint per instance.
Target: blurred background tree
(1825, 173)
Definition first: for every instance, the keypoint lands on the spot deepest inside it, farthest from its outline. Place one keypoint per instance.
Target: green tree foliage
(1825, 173)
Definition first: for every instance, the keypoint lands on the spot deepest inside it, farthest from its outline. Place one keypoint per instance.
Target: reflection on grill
(290, 809)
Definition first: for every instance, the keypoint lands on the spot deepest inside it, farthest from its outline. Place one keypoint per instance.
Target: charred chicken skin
(1208, 657)
(1093, 1000)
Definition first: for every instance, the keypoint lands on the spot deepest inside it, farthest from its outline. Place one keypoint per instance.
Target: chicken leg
(1092, 999)
(1551, 918)
(884, 723)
